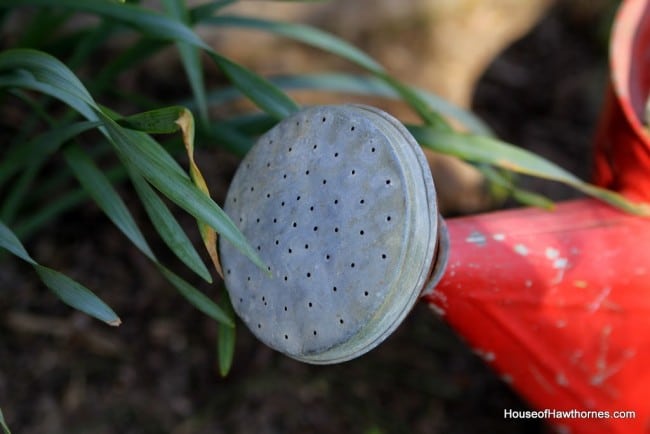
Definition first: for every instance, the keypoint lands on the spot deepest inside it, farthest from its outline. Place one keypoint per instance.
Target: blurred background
(535, 71)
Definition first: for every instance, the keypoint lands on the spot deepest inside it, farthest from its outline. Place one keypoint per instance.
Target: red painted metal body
(559, 302)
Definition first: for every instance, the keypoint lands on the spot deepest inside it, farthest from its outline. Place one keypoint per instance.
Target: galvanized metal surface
(340, 204)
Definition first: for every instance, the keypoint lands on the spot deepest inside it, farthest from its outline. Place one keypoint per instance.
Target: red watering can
(559, 303)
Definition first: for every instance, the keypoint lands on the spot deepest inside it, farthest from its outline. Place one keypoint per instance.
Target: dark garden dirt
(61, 372)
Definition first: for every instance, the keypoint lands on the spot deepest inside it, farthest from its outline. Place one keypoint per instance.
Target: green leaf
(200, 12)
(45, 144)
(46, 69)
(197, 298)
(226, 339)
(133, 55)
(359, 85)
(29, 159)
(76, 295)
(259, 90)
(144, 154)
(143, 20)
(413, 98)
(54, 207)
(230, 138)
(38, 31)
(26, 80)
(523, 196)
(487, 150)
(10, 242)
(190, 57)
(70, 292)
(158, 121)
(169, 229)
(19, 190)
(88, 43)
(3, 424)
(372, 86)
(95, 183)
(302, 33)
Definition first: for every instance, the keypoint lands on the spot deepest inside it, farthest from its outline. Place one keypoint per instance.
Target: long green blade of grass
(356, 84)
(3, 424)
(487, 150)
(525, 197)
(19, 190)
(39, 30)
(190, 57)
(132, 56)
(11, 243)
(70, 292)
(262, 92)
(76, 295)
(143, 20)
(168, 227)
(45, 144)
(25, 80)
(197, 13)
(54, 207)
(226, 339)
(88, 42)
(95, 183)
(302, 33)
(48, 70)
(158, 121)
(197, 298)
(29, 162)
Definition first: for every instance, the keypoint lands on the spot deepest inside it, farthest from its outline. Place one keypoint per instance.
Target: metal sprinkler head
(340, 204)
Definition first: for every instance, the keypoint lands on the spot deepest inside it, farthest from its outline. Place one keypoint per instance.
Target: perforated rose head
(340, 204)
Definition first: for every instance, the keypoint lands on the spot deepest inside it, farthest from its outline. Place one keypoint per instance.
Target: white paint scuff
(521, 249)
(559, 263)
(488, 356)
(598, 301)
(552, 253)
(476, 238)
(604, 367)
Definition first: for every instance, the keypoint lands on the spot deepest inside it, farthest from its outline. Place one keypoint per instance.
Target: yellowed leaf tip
(186, 122)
